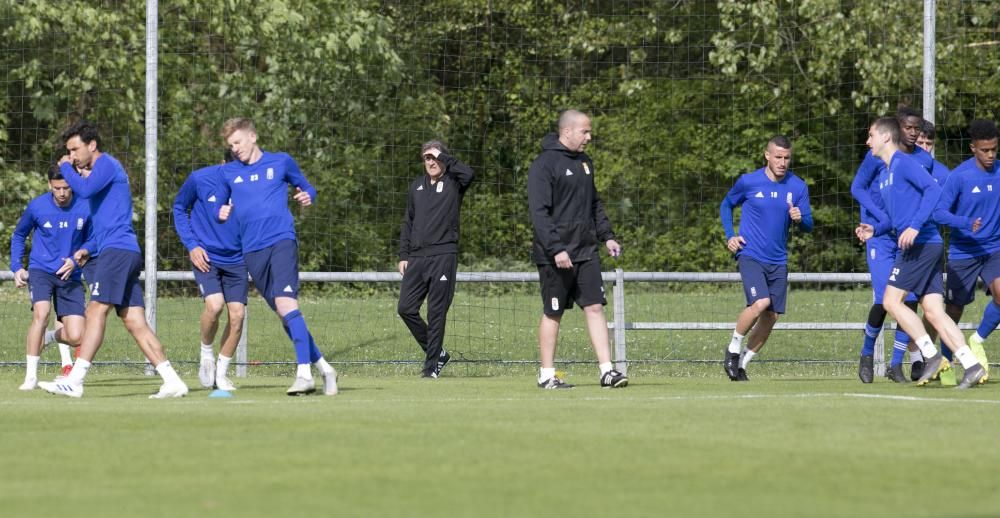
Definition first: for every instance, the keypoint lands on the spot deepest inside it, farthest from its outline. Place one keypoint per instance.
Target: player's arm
(185, 199)
(804, 209)
(603, 226)
(223, 205)
(305, 193)
(461, 172)
(730, 201)
(100, 177)
(946, 204)
(861, 188)
(540, 207)
(17, 246)
(930, 194)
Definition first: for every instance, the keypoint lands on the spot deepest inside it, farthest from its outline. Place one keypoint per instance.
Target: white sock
(926, 346)
(50, 336)
(915, 356)
(32, 367)
(304, 371)
(65, 355)
(222, 366)
(546, 373)
(79, 371)
(736, 343)
(206, 352)
(747, 356)
(323, 366)
(605, 367)
(965, 356)
(167, 372)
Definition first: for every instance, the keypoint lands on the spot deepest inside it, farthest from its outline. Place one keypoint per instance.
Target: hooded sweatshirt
(566, 211)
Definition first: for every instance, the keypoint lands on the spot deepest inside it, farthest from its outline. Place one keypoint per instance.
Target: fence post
(241, 347)
(618, 295)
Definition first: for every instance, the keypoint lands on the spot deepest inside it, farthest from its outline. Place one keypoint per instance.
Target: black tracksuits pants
(432, 277)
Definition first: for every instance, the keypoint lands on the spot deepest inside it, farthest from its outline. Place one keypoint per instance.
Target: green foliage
(683, 97)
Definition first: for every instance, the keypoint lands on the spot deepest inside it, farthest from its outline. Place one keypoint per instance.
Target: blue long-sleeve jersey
(940, 172)
(910, 194)
(259, 193)
(107, 192)
(58, 233)
(765, 222)
(971, 193)
(865, 187)
(197, 223)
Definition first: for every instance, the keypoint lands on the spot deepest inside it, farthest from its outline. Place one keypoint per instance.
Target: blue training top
(909, 194)
(58, 233)
(864, 188)
(259, 193)
(221, 240)
(971, 193)
(106, 189)
(764, 222)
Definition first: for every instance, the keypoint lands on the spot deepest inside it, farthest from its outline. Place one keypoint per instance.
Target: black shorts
(918, 269)
(561, 287)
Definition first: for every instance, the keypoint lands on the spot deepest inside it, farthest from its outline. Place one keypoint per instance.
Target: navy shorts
(963, 273)
(89, 269)
(761, 281)
(881, 256)
(228, 279)
(562, 286)
(66, 296)
(918, 269)
(275, 270)
(116, 279)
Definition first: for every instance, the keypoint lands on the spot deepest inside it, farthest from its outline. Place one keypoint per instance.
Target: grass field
(497, 446)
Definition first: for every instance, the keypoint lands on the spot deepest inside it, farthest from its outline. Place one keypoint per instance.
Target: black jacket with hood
(431, 222)
(566, 211)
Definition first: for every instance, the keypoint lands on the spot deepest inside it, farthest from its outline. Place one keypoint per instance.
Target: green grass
(497, 446)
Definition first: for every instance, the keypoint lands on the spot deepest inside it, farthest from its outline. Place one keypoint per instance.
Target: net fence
(683, 97)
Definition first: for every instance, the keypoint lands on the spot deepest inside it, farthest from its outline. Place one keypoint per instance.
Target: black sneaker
(973, 376)
(895, 373)
(442, 361)
(741, 375)
(916, 370)
(429, 373)
(614, 379)
(731, 364)
(932, 368)
(554, 383)
(866, 368)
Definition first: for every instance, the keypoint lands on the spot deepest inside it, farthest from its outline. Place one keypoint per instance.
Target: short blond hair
(235, 124)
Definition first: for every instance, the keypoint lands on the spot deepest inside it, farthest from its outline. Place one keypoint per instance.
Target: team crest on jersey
(758, 195)
(79, 223)
(47, 225)
(873, 254)
(270, 173)
(440, 187)
(585, 168)
(239, 179)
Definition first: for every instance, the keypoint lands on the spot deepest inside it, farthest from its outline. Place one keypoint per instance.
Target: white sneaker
(224, 383)
(171, 390)
(62, 388)
(330, 383)
(29, 384)
(206, 372)
(301, 386)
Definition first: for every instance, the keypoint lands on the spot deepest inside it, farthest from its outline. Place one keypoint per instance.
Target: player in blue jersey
(254, 188)
(59, 225)
(773, 199)
(970, 205)
(880, 254)
(925, 141)
(909, 194)
(115, 282)
(215, 252)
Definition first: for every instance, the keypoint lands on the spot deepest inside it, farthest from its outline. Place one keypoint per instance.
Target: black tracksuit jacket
(565, 209)
(430, 224)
